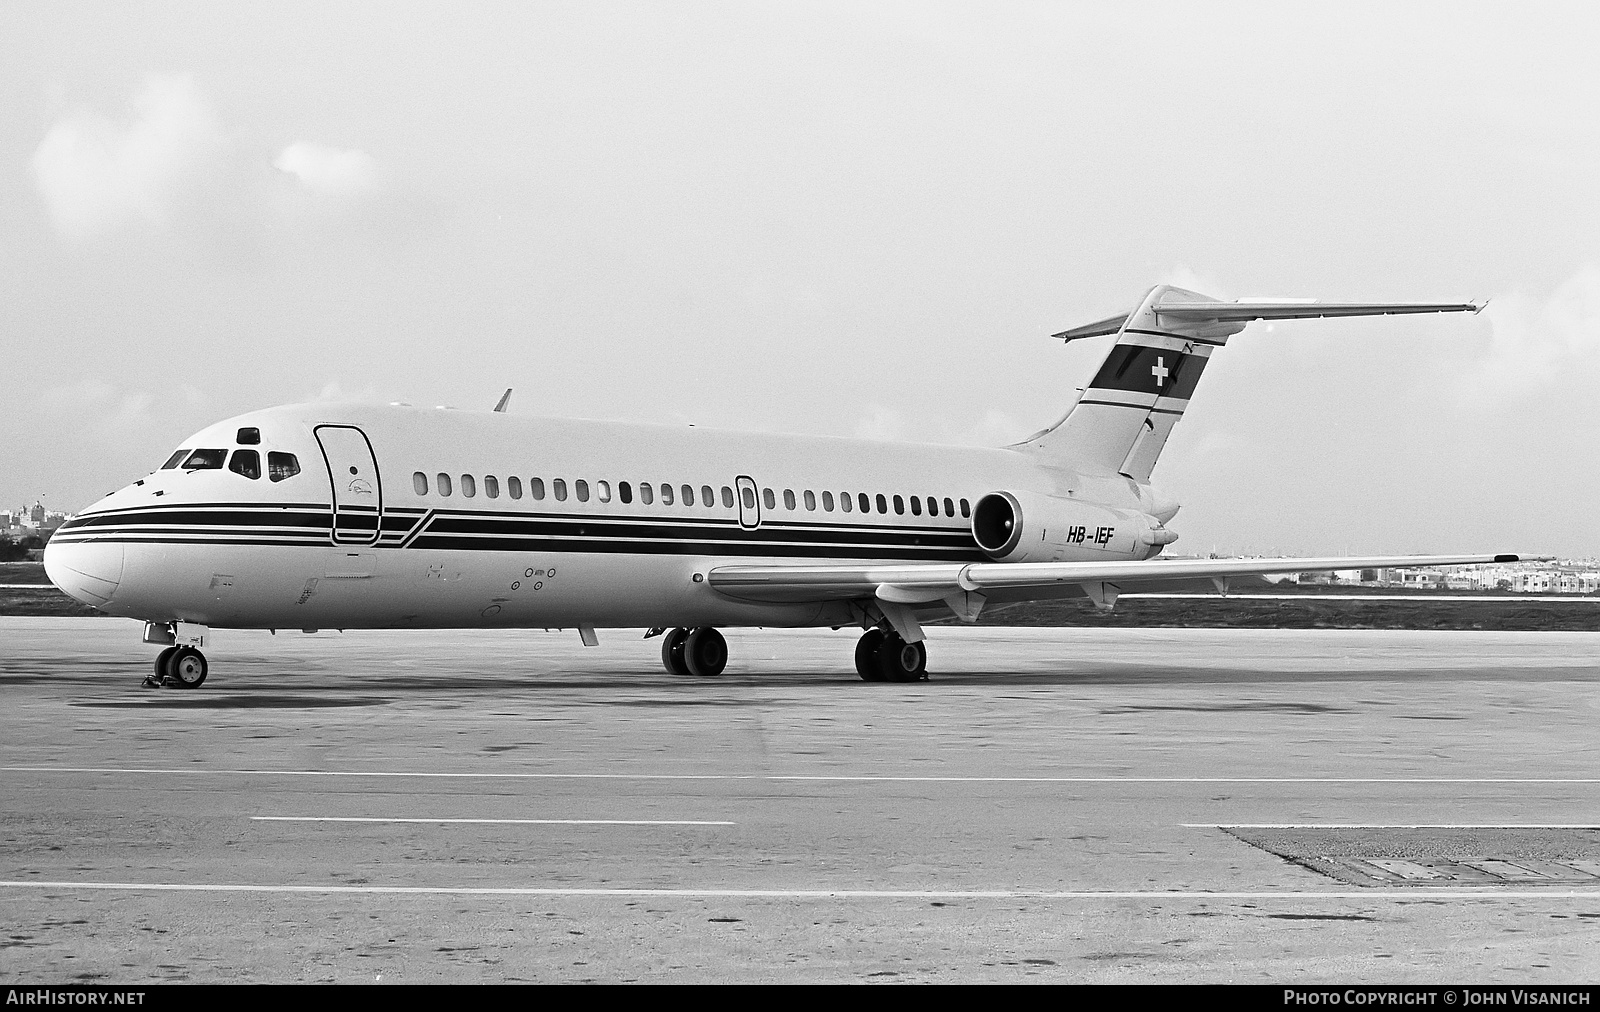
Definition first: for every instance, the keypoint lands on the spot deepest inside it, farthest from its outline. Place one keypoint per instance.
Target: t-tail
(1127, 412)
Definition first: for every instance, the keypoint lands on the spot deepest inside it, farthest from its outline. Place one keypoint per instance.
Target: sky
(832, 218)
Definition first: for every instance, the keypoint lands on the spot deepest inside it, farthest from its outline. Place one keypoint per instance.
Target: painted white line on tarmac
(1418, 893)
(808, 778)
(493, 822)
(1390, 825)
(1428, 598)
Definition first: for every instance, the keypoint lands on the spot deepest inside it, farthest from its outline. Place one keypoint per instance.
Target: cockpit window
(173, 460)
(205, 460)
(282, 465)
(247, 463)
(248, 437)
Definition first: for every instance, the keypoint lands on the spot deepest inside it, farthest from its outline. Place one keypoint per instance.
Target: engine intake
(1030, 527)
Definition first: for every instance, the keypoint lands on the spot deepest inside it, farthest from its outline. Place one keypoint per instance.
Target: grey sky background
(828, 218)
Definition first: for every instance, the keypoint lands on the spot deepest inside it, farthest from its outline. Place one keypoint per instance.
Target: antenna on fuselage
(505, 399)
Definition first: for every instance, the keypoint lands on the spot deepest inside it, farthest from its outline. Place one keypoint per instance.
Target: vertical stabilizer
(1128, 410)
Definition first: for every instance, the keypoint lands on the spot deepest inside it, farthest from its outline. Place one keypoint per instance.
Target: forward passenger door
(357, 489)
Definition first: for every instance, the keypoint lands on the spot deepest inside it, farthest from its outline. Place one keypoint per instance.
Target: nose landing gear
(180, 665)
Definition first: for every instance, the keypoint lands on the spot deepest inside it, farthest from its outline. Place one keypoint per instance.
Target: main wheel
(867, 665)
(672, 652)
(187, 667)
(899, 661)
(163, 659)
(705, 652)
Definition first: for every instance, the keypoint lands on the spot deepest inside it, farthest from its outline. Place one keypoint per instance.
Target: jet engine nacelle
(1031, 527)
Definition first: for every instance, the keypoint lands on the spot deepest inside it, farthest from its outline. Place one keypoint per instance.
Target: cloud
(95, 405)
(881, 423)
(333, 390)
(171, 168)
(1536, 346)
(96, 175)
(1181, 276)
(323, 169)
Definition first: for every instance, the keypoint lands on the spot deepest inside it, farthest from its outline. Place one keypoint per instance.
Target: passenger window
(205, 460)
(966, 510)
(647, 495)
(558, 486)
(827, 501)
(949, 507)
(811, 499)
(916, 506)
(866, 504)
(750, 498)
(666, 494)
(688, 495)
(844, 501)
(491, 486)
(444, 483)
(247, 463)
(581, 489)
(469, 486)
(767, 500)
(419, 481)
(282, 465)
(899, 504)
(172, 461)
(883, 504)
(514, 487)
(248, 437)
(727, 497)
(536, 488)
(602, 491)
(708, 497)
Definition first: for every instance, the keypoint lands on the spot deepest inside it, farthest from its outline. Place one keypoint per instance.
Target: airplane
(377, 516)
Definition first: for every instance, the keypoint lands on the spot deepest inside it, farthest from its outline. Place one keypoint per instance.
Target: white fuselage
(374, 538)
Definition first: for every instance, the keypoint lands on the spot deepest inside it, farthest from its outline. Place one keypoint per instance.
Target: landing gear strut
(882, 656)
(700, 651)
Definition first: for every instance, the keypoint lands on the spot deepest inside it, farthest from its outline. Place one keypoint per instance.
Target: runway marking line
(1413, 894)
(810, 778)
(493, 822)
(1384, 825)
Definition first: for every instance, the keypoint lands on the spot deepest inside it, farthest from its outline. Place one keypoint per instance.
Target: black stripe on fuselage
(236, 524)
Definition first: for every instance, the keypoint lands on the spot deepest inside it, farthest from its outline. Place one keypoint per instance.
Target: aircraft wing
(956, 585)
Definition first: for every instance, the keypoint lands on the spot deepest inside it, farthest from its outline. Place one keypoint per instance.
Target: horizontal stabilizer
(1190, 312)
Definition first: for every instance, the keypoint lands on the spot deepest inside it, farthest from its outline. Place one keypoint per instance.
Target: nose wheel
(179, 667)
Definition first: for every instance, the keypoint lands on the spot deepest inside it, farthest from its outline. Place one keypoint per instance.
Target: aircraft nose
(87, 570)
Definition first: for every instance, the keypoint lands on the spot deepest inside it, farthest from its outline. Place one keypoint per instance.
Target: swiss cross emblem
(1160, 370)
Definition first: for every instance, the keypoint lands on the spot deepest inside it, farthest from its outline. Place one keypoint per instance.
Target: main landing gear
(882, 656)
(698, 651)
(181, 667)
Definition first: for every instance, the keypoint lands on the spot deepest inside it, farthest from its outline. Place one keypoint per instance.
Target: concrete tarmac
(1054, 805)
